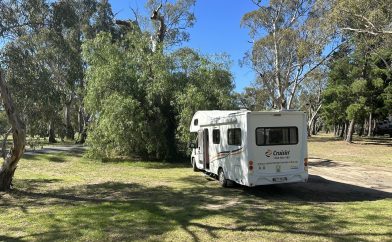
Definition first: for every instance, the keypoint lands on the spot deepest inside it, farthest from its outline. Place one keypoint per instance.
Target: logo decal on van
(278, 154)
(268, 153)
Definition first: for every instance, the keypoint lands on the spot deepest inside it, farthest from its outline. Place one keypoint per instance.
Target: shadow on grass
(30, 156)
(58, 159)
(9, 239)
(129, 211)
(377, 140)
(324, 139)
(148, 164)
(382, 141)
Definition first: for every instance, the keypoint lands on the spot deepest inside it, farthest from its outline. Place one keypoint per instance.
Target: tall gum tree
(9, 21)
(288, 41)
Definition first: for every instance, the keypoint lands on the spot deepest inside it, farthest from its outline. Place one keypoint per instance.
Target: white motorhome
(251, 148)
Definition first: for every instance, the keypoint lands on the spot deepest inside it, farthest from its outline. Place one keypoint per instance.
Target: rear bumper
(278, 179)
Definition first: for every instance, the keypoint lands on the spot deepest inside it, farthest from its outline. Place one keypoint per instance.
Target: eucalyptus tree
(288, 41)
(371, 17)
(11, 23)
(170, 21)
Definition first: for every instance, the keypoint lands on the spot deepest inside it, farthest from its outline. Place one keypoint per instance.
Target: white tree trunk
(11, 160)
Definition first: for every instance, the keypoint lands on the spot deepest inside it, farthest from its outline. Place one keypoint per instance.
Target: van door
(200, 147)
(206, 149)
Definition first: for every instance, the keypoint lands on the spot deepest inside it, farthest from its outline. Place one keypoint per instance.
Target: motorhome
(250, 148)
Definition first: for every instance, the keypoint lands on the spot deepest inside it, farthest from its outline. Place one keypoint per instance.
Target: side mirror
(192, 145)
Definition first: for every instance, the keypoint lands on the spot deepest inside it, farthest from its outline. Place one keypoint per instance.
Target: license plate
(279, 179)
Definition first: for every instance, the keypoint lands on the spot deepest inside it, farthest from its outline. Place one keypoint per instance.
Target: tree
(170, 21)
(311, 97)
(11, 22)
(290, 47)
(371, 17)
(142, 100)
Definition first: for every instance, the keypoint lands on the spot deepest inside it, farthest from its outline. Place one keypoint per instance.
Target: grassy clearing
(372, 151)
(66, 197)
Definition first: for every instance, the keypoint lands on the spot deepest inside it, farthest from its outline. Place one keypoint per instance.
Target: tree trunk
(370, 125)
(81, 119)
(52, 136)
(346, 125)
(70, 133)
(11, 160)
(83, 123)
(342, 131)
(313, 128)
(349, 137)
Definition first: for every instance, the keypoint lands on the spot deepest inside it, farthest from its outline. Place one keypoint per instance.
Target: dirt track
(378, 178)
(333, 181)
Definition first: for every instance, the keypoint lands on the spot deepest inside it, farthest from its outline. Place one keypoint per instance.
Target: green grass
(373, 151)
(66, 197)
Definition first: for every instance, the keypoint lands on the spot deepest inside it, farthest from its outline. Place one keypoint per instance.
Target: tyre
(194, 165)
(222, 179)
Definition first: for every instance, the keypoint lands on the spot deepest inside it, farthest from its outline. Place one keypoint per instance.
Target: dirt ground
(378, 178)
(335, 181)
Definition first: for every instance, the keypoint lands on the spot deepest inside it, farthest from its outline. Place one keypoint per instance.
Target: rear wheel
(222, 179)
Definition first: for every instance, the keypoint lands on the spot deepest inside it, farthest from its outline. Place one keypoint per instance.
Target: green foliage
(143, 101)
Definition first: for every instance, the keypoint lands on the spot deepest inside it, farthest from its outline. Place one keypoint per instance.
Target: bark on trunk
(314, 130)
(70, 134)
(349, 138)
(11, 160)
(52, 136)
(341, 135)
(4, 146)
(370, 125)
(81, 120)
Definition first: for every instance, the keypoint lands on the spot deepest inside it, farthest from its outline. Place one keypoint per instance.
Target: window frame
(286, 127)
(228, 136)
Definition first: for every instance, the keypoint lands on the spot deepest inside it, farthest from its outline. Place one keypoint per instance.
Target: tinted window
(234, 136)
(216, 136)
(277, 136)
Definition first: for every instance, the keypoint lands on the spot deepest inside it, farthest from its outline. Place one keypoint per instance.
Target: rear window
(276, 136)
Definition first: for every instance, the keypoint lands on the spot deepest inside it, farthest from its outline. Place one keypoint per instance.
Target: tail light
(251, 165)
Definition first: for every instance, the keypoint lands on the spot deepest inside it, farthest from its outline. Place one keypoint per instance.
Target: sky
(217, 30)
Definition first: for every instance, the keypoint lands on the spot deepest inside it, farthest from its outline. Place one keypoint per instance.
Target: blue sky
(217, 30)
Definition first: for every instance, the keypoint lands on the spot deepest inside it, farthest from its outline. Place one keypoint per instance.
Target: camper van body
(251, 148)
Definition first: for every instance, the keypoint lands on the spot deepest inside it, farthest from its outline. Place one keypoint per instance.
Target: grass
(371, 151)
(67, 197)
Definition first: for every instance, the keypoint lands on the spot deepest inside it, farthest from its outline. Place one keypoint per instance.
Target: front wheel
(222, 179)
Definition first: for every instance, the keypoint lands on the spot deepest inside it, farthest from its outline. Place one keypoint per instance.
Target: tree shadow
(324, 139)
(148, 164)
(9, 239)
(30, 156)
(317, 189)
(131, 211)
(319, 162)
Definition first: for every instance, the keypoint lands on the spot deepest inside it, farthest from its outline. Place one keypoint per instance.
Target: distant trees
(42, 66)
(356, 93)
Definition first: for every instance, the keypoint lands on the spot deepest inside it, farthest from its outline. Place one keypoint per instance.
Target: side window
(234, 136)
(216, 136)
